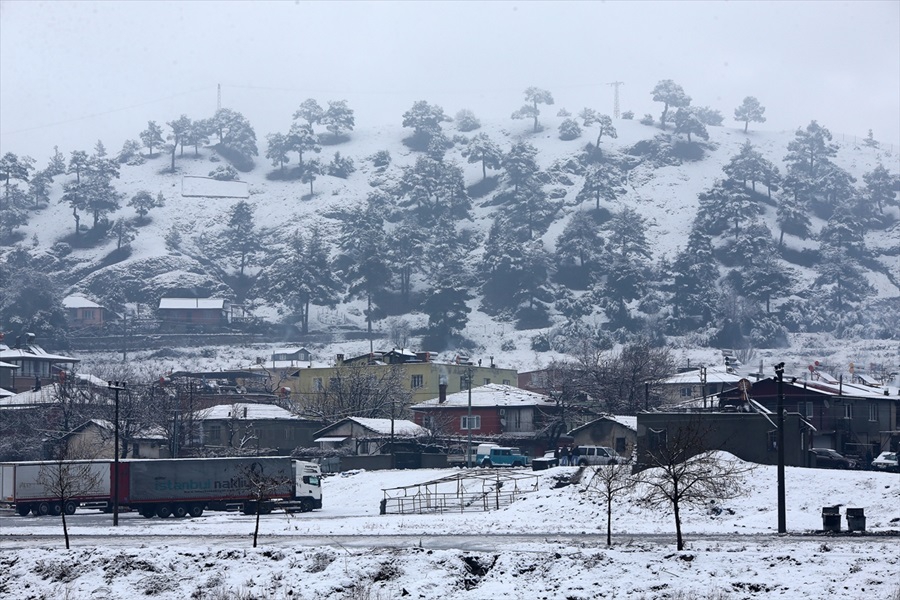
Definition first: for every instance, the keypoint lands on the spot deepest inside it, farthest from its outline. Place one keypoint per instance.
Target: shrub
(569, 130)
(647, 120)
(382, 158)
(341, 166)
(467, 121)
(628, 115)
(224, 173)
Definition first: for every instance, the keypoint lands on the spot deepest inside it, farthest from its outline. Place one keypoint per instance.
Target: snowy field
(548, 545)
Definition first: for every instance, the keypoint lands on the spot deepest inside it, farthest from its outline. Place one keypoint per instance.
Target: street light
(469, 421)
(782, 520)
(115, 385)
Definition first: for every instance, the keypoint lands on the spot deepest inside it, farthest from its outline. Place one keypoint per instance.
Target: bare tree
(684, 471)
(359, 390)
(66, 479)
(609, 482)
(263, 487)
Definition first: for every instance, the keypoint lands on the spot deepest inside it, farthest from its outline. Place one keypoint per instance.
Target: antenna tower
(616, 85)
(219, 98)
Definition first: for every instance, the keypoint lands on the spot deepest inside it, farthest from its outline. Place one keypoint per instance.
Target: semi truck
(177, 487)
(32, 487)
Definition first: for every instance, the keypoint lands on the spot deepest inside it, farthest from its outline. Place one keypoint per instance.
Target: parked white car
(886, 461)
(594, 455)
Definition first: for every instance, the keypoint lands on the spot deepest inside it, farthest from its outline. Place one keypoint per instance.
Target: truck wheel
(23, 509)
(306, 505)
(41, 509)
(487, 464)
(148, 512)
(71, 507)
(517, 464)
(180, 511)
(56, 509)
(163, 511)
(196, 510)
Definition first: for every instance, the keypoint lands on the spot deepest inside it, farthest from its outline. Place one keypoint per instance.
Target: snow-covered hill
(667, 196)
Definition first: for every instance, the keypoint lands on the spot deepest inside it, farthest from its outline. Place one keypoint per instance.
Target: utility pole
(469, 421)
(115, 385)
(703, 384)
(616, 85)
(782, 520)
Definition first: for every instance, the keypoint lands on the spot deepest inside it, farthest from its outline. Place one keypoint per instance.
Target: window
(215, 433)
(87, 314)
(463, 382)
(417, 381)
(657, 438)
(487, 381)
(873, 411)
(772, 440)
(810, 411)
(620, 445)
(506, 382)
(317, 384)
(474, 424)
(848, 411)
(687, 392)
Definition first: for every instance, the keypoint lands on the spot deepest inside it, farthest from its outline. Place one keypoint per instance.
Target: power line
(108, 112)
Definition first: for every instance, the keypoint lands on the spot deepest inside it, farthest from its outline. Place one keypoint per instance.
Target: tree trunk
(304, 320)
(781, 238)
(65, 526)
(746, 125)
(77, 219)
(483, 168)
(310, 187)
(679, 541)
(535, 116)
(256, 529)
(609, 521)
(174, 148)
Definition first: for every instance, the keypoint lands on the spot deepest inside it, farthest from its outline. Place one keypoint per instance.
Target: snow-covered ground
(732, 548)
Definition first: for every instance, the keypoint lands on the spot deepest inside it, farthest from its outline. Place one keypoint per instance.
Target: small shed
(613, 431)
(367, 436)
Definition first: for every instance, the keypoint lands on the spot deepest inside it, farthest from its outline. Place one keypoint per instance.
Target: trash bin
(831, 518)
(856, 519)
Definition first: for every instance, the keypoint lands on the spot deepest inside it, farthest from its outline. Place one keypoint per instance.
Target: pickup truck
(490, 455)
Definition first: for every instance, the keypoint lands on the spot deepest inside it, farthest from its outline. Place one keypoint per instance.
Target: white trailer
(33, 486)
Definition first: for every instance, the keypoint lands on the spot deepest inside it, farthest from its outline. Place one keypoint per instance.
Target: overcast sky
(75, 72)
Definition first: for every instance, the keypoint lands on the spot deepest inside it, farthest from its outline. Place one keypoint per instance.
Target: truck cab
(491, 455)
(307, 485)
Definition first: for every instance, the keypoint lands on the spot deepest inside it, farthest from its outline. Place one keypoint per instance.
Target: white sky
(75, 72)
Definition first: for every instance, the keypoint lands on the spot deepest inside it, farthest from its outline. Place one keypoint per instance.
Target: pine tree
(365, 269)
(78, 164)
(75, 195)
(843, 231)
(338, 118)
(589, 116)
(727, 202)
(425, 120)
(14, 168)
(766, 280)
(709, 116)
(143, 202)
(301, 139)
(750, 110)
(181, 128)
(671, 95)
(57, 164)
(694, 295)
(467, 121)
(580, 242)
(627, 232)
(277, 149)
(840, 284)
(687, 122)
(311, 170)
(123, 232)
(520, 164)
(533, 97)
(152, 137)
(482, 148)
(880, 187)
(310, 111)
(602, 181)
(39, 187)
(240, 235)
(404, 254)
(446, 300)
(301, 276)
(792, 214)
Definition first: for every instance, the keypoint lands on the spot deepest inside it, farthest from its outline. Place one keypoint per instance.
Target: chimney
(245, 412)
(442, 392)
(340, 359)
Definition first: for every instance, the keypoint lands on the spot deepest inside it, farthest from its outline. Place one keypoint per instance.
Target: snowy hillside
(666, 196)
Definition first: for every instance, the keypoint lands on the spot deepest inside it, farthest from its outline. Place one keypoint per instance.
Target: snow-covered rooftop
(245, 411)
(713, 375)
(79, 302)
(383, 426)
(492, 394)
(187, 303)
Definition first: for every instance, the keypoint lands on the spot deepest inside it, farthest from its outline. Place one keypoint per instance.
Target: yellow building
(416, 372)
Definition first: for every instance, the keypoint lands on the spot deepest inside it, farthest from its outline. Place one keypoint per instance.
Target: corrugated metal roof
(383, 426)
(492, 394)
(189, 303)
(713, 375)
(245, 411)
